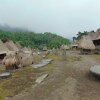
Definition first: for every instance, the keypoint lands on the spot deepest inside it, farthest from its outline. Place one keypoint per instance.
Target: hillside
(34, 40)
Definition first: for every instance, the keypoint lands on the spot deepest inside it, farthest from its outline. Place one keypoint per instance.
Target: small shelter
(74, 46)
(45, 48)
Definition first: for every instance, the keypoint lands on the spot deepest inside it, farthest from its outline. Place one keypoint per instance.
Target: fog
(63, 17)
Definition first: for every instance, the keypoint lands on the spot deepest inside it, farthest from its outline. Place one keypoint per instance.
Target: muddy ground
(69, 79)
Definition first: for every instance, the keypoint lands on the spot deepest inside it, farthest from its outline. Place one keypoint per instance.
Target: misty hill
(34, 40)
(8, 28)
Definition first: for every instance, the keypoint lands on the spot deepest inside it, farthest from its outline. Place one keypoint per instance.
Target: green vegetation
(34, 40)
(80, 34)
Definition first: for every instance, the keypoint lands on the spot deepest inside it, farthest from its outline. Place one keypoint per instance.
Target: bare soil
(69, 79)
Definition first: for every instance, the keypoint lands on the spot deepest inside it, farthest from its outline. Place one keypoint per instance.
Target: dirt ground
(69, 79)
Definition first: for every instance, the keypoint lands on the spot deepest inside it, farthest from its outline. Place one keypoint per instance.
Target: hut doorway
(2, 56)
(96, 42)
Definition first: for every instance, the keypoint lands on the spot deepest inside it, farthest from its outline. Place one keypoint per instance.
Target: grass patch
(47, 68)
(97, 56)
(21, 80)
(70, 58)
(54, 57)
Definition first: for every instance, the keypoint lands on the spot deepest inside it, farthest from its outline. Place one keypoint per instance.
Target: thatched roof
(3, 48)
(26, 50)
(11, 46)
(94, 35)
(86, 43)
(18, 45)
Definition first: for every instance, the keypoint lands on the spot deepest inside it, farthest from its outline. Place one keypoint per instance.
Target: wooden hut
(3, 50)
(86, 44)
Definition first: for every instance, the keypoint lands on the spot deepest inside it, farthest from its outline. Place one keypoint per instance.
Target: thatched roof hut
(65, 47)
(3, 48)
(11, 46)
(86, 43)
(95, 36)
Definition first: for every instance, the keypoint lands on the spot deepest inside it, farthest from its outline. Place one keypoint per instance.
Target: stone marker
(5, 75)
(41, 78)
(95, 70)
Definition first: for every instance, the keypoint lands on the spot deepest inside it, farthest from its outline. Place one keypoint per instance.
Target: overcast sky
(64, 17)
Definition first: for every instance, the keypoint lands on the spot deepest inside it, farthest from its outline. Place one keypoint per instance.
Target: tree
(81, 34)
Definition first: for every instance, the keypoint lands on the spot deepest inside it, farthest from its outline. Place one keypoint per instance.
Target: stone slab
(44, 62)
(41, 78)
(5, 75)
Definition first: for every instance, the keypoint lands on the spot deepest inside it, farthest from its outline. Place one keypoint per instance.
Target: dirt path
(69, 80)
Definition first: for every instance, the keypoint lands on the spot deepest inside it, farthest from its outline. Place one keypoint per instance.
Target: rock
(41, 78)
(38, 65)
(5, 75)
(95, 70)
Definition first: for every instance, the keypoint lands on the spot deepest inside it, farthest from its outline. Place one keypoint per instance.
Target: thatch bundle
(86, 43)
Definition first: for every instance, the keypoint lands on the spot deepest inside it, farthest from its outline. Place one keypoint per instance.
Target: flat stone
(5, 75)
(44, 62)
(41, 78)
(39, 65)
(95, 70)
(47, 60)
